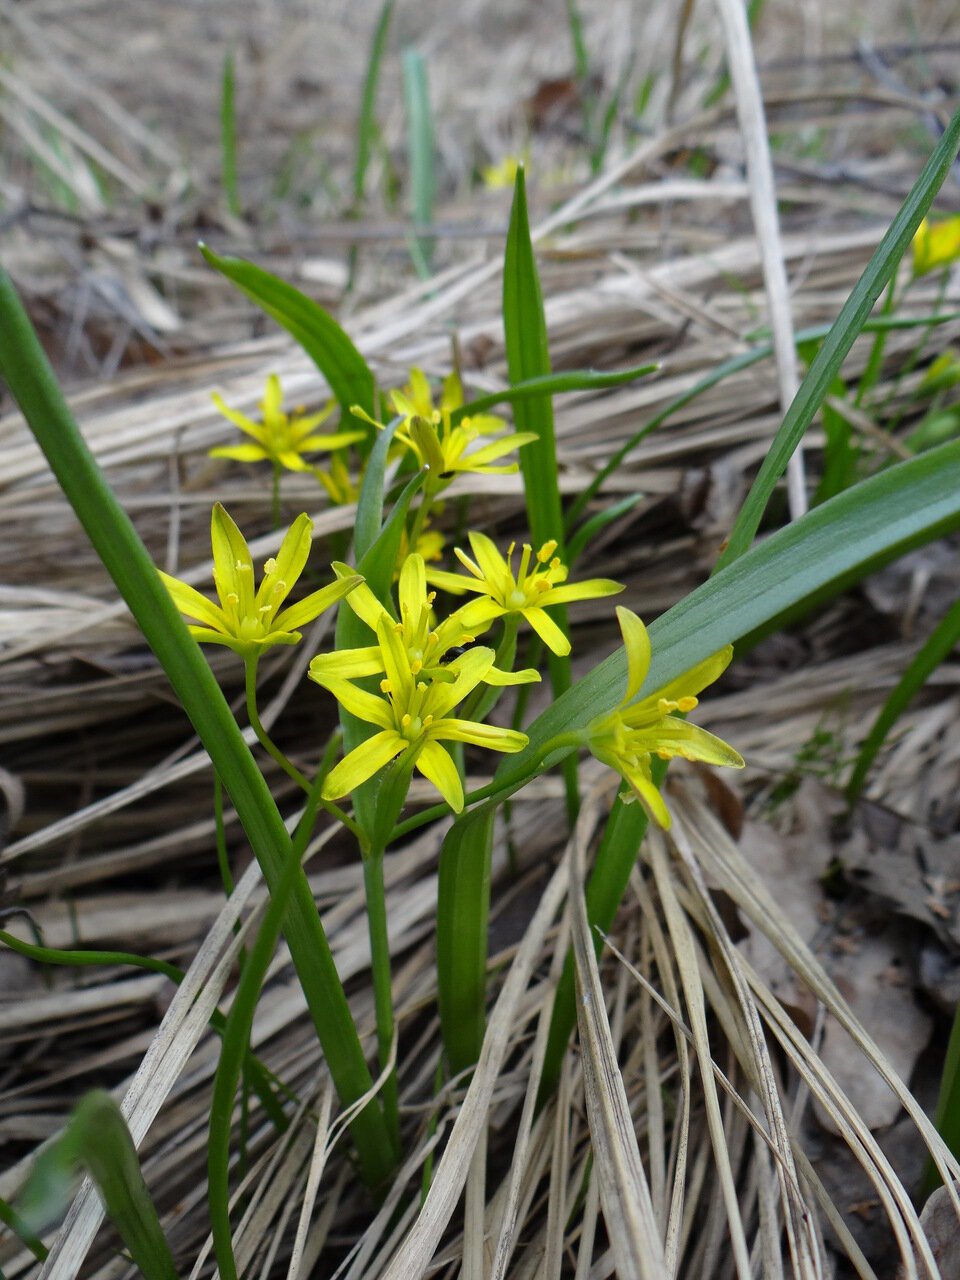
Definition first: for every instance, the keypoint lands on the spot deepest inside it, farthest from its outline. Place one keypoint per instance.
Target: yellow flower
(448, 448)
(413, 718)
(503, 174)
(247, 620)
(628, 738)
(429, 544)
(530, 592)
(281, 438)
(426, 645)
(936, 244)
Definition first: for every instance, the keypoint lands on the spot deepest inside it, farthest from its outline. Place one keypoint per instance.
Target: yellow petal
(288, 564)
(232, 562)
(468, 671)
(240, 452)
(491, 563)
(637, 644)
(592, 589)
(396, 662)
(435, 765)
(193, 604)
(481, 735)
(272, 399)
(240, 420)
(413, 588)
(362, 763)
(547, 630)
(311, 606)
(346, 664)
(365, 706)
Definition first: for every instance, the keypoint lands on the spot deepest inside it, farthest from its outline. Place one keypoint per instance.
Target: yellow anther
(421, 687)
(427, 721)
(547, 550)
(398, 628)
(541, 584)
(405, 720)
(232, 598)
(416, 666)
(666, 705)
(269, 565)
(688, 703)
(386, 686)
(242, 565)
(556, 563)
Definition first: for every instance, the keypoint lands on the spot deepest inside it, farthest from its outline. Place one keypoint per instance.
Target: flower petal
(240, 420)
(455, 583)
(592, 589)
(232, 562)
(362, 763)
(636, 641)
(685, 686)
(272, 398)
(481, 735)
(287, 566)
(436, 765)
(679, 737)
(547, 630)
(412, 590)
(396, 661)
(490, 562)
(240, 452)
(346, 664)
(361, 600)
(649, 796)
(366, 706)
(503, 678)
(193, 604)
(468, 671)
(311, 606)
(496, 449)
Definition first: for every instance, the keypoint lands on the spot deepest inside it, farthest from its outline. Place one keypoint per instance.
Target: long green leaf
(228, 136)
(327, 345)
(528, 356)
(367, 125)
(828, 360)
(97, 1140)
(463, 898)
(938, 647)
(33, 384)
(416, 93)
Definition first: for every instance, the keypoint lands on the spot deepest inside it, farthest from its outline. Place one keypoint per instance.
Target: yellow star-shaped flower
(540, 581)
(280, 438)
(250, 620)
(626, 739)
(413, 718)
(936, 244)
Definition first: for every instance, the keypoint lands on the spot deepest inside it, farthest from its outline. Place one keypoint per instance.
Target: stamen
(524, 561)
(405, 720)
(232, 598)
(547, 550)
(427, 721)
(386, 686)
(269, 566)
(688, 703)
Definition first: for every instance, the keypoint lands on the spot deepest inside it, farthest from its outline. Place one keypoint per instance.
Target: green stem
(275, 497)
(271, 748)
(223, 858)
(420, 518)
(382, 986)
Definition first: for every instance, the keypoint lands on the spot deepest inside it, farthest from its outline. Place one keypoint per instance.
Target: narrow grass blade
(98, 1141)
(370, 502)
(33, 385)
(826, 365)
(416, 94)
(939, 646)
(591, 528)
(10, 1218)
(528, 356)
(463, 899)
(552, 384)
(367, 125)
(228, 136)
(327, 345)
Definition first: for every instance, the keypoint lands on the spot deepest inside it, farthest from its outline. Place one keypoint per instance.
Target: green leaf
(370, 502)
(552, 384)
(463, 898)
(33, 384)
(327, 345)
(97, 1140)
(940, 644)
(367, 125)
(416, 95)
(528, 356)
(228, 137)
(840, 339)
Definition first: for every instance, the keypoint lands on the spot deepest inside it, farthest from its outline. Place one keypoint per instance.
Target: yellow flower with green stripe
(249, 619)
(413, 718)
(540, 581)
(628, 738)
(281, 438)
